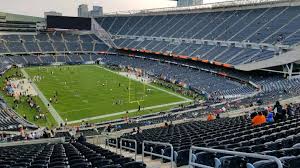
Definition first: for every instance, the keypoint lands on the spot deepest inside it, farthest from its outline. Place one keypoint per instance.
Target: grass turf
(134, 114)
(24, 109)
(89, 90)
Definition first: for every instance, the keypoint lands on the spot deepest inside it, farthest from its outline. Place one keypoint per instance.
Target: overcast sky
(69, 7)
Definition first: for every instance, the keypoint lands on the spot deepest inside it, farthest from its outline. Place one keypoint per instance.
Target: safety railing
(128, 148)
(233, 153)
(108, 143)
(92, 139)
(158, 155)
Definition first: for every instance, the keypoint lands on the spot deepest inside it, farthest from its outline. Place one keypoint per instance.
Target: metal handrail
(158, 155)
(243, 154)
(112, 144)
(128, 148)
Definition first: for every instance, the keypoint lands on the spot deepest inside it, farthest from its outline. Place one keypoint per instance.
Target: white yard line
(163, 90)
(186, 100)
(51, 109)
(60, 120)
(124, 112)
(76, 110)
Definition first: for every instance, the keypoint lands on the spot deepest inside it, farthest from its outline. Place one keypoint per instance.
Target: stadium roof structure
(9, 17)
(209, 6)
(283, 59)
(289, 57)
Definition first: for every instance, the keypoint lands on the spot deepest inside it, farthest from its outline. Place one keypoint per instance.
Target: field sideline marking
(65, 112)
(124, 112)
(58, 118)
(186, 100)
(51, 109)
(171, 93)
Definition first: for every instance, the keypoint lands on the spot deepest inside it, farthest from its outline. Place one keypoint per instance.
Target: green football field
(89, 90)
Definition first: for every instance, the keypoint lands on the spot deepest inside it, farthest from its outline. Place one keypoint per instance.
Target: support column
(102, 34)
(290, 68)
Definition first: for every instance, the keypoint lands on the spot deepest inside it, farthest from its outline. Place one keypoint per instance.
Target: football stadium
(206, 85)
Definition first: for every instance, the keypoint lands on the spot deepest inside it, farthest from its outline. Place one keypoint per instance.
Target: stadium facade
(182, 3)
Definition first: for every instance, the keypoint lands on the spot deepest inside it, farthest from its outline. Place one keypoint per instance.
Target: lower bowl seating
(74, 155)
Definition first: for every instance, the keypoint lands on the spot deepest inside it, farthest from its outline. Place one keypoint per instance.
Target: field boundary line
(51, 109)
(124, 112)
(163, 90)
(186, 100)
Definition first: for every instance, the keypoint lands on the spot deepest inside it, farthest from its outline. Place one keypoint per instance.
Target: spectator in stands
(218, 116)
(52, 133)
(171, 124)
(270, 117)
(138, 130)
(109, 128)
(72, 140)
(283, 114)
(259, 119)
(278, 111)
(29, 136)
(81, 138)
(22, 131)
(252, 115)
(277, 107)
(265, 112)
(133, 131)
(46, 135)
(210, 117)
(270, 109)
(166, 125)
(289, 110)
(2, 137)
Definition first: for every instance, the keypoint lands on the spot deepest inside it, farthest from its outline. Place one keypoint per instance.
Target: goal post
(136, 94)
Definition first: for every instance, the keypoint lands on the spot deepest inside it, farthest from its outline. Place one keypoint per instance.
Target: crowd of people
(270, 114)
(178, 89)
(22, 97)
(24, 134)
(276, 113)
